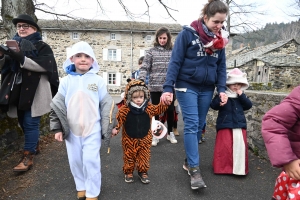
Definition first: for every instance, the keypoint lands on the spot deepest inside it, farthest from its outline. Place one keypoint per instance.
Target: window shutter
(118, 79)
(142, 52)
(105, 51)
(119, 53)
(104, 76)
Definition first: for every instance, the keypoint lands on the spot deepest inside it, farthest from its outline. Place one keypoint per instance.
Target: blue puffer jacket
(231, 115)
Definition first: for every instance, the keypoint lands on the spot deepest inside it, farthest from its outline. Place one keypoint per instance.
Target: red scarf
(211, 41)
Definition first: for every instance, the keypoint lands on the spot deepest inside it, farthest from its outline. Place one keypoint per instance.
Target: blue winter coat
(231, 115)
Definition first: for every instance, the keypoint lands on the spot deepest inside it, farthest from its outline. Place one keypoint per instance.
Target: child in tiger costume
(134, 117)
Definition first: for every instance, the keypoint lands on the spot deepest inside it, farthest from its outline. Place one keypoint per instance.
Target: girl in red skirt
(231, 148)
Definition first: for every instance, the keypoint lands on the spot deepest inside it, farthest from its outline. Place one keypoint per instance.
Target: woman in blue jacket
(196, 67)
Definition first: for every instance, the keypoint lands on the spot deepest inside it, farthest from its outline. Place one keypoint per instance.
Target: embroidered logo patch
(92, 87)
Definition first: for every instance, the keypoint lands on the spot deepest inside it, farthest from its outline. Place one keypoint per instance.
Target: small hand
(114, 132)
(223, 98)
(292, 169)
(59, 136)
(239, 92)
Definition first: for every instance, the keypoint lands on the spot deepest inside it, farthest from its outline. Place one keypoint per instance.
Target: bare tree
(11, 9)
(243, 17)
(292, 31)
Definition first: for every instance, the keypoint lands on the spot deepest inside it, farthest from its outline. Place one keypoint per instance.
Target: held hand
(293, 169)
(114, 132)
(223, 98)
(166, 98)
(59, 136)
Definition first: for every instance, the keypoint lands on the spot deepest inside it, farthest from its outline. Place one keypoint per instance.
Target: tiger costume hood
(135, 85)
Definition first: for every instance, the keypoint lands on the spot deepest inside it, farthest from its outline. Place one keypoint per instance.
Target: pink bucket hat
(237, 76)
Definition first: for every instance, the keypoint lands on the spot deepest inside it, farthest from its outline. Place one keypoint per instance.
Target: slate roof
(94, 25)
(284, 60)
(243, 58)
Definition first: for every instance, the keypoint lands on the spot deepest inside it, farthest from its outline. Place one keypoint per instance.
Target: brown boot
(25, 163)
(81, 195)
(37, 148)
(175, 131)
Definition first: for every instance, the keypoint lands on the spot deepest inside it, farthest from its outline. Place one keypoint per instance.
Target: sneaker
(196, 178)
(172, 138)
(175, 131)
(185, 165)
(128, 178)
(200, 141)
(144, 177)
(154, 141)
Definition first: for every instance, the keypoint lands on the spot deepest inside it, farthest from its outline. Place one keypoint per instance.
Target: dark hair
(161, 31)
(213, 7)
(141, 60)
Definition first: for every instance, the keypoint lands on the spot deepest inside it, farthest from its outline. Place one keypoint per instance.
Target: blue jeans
(194, 108)
(31, 129)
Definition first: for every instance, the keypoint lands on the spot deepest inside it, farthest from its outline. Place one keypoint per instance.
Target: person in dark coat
(231, 148)
(29, 80)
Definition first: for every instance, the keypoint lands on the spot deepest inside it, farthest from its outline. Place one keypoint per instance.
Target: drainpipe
(131, 70)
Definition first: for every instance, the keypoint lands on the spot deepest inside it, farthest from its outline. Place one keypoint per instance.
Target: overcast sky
(188, 10)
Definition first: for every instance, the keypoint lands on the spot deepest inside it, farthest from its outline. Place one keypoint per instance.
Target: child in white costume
(75, 117)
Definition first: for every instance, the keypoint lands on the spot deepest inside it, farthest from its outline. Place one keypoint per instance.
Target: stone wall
(131, 45)
(262, 102)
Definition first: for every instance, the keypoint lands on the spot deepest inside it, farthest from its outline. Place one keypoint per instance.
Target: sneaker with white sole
(154, 141)
(172, 138)
(196, 178)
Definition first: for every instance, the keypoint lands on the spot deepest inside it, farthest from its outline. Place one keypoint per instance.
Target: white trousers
(84, 161)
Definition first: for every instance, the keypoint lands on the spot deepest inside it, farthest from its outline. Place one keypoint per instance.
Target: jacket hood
(135, 85)
(81, 47)
(191, 29)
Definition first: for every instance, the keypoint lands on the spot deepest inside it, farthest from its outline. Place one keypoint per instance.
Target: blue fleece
(190, 67)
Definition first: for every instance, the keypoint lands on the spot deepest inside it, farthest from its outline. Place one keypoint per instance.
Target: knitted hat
(133, 86)
(25, 19)
(237, 76)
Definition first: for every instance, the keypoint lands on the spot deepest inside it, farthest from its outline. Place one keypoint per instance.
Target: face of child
(163, 39)
(235, 87)
(83, 62)
(138, 97)
(215, 23)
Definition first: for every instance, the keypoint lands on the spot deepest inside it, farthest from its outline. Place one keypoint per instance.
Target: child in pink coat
(281, 133)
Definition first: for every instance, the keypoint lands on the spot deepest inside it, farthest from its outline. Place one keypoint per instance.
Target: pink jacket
(281, 130)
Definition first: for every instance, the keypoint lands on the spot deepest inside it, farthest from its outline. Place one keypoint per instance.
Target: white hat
(237, 76)
(82, 47)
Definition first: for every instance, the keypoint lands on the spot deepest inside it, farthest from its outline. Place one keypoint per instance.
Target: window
(112, 54)
(148, 37)
(112, 36)
(112, 79)
(75, 35)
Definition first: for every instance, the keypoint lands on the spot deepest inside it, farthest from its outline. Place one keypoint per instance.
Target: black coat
(231, 115)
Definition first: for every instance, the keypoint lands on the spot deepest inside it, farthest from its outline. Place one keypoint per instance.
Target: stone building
(117, 44)
(276, 65)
